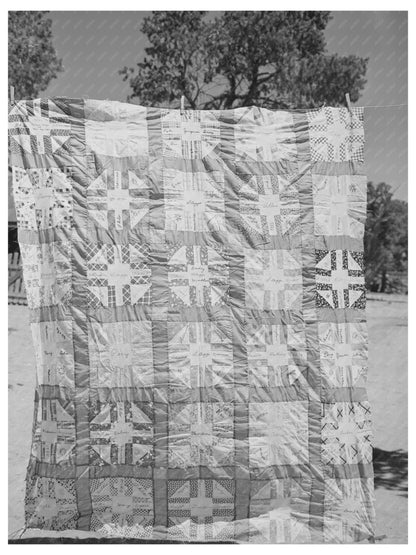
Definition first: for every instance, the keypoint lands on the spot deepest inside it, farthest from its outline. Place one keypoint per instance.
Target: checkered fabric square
(196, 288)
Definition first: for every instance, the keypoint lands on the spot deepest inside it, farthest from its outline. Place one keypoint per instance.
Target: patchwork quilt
(196, 289)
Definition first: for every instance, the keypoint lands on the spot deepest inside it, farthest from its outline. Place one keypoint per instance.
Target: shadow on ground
(390, 470)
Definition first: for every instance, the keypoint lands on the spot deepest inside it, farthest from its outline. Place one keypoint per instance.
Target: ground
(387, 391)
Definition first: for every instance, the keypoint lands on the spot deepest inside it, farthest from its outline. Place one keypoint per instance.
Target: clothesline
(324, 105)
(354, 106)
(182, 104)
(386, 106)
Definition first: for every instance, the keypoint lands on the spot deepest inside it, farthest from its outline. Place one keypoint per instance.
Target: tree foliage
(385, 239)
(33, 61)
(271, 59)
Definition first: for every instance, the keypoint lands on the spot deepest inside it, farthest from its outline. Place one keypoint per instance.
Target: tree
(271, 59)
(33, 61)
(385, 238)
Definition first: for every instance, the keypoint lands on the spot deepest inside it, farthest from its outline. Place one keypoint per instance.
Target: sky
(94, 46)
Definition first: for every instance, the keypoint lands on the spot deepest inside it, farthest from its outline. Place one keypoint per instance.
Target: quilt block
(196, 289)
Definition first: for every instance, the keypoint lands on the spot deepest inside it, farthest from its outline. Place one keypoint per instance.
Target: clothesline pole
(347, 98)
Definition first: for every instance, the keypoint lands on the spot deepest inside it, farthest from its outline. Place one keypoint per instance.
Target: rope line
(385, 106)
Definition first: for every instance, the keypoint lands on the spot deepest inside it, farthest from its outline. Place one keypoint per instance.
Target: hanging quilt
(196, 288)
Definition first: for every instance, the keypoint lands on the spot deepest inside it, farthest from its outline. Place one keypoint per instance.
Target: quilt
(196, 290)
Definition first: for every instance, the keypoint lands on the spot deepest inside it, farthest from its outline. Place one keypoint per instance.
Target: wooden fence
(17, 293)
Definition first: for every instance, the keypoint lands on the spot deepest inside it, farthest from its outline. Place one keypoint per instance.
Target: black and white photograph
(207, 275)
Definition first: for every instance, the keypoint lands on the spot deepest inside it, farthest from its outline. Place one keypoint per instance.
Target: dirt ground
(387, 390)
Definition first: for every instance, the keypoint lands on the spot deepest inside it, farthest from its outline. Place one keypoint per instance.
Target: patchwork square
(276, 355)
(51, 503)
(43, 198)
(275, 511)
(198, 276)
(122, 505)
(200, 354)
(340, 204)
(54, 352)
(121, 433)
(273, 279)
(54, 432)
(346, 433)
(340, 279)
(115, 129)
(201, 510)
(117, 275)
(201, 434)
(193, 134)
(343, 353)
(269, 205)
(278, 433)
(40, 126)
(264, 135)
(48, 273)
(118, 200)
(194, 201)
(349, 511)
(121, 354)
(336, 135)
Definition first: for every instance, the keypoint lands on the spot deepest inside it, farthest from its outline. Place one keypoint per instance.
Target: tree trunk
(383, 286)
